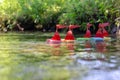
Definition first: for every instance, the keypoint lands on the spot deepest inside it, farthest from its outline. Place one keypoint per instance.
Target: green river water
(26, 56)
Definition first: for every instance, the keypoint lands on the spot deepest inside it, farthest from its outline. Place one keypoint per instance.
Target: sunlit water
(28, 57)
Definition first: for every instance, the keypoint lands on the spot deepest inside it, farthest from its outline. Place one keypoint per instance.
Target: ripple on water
(102, 75)
(26, 62)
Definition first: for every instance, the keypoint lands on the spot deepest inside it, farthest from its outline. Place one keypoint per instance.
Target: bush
(47, 13)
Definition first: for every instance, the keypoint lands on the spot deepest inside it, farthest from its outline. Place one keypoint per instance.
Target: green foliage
(81, 11)
(51, 12)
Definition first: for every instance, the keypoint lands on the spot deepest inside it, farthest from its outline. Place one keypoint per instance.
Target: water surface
(26, 56)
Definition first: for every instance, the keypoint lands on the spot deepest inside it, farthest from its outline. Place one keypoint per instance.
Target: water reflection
(92, 51)
(101, 47)
(101, 61)
(55, 49)
(62, 48)
(30, 59)
(70, 46)
(88, 47)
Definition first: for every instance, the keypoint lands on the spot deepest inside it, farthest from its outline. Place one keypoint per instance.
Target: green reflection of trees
(21, 59)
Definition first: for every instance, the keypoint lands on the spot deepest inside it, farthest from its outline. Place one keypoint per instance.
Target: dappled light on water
(25, 57)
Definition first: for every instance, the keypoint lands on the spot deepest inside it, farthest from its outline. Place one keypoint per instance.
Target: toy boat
(87, 34)
(101, 34)
(93, 39)
(56, 37)
(82, 39)
(69, 36)
(50, 41)
(107, 39)
(96, 39)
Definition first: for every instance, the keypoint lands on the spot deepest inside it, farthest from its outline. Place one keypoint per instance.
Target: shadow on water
(27, 57)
